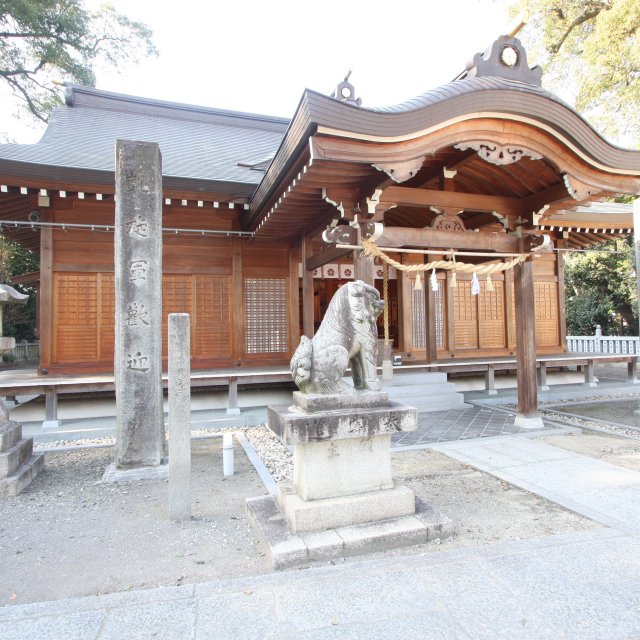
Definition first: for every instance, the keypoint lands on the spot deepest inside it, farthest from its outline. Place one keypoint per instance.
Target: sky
(260, 56)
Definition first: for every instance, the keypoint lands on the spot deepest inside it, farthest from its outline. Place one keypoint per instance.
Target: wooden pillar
(237, 297)
(45, 297)
(232, 404)
(490, 380)
(509, 308)
(50, 409)
(363, 268)
(526, 347)
(562, 309)
(294, 301)
(307, 291)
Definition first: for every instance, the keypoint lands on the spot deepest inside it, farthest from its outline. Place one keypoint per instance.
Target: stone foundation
(18, 464)
(342, 464)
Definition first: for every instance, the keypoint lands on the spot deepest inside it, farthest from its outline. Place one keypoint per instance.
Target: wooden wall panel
(177, 297)
(491, 320)
(211, 333)
(75, 317)
(106, 316)
(262, 259)
(465, 316)
(546, 304)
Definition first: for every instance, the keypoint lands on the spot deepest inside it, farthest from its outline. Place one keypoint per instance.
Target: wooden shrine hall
(461, 199)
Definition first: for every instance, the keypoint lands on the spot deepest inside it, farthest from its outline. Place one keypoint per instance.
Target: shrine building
(468, 194)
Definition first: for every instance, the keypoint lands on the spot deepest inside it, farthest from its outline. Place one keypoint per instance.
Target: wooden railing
(26, 351)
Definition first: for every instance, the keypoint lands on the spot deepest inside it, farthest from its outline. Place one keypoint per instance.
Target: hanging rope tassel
(475, 284)
(418, 283)
(453, 283)
(434, 280)
(490, 286)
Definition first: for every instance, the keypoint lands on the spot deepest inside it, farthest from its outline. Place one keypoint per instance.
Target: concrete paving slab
(573, 586)
(241, 616)
(599, 490)
(69, 626)
(151, 621)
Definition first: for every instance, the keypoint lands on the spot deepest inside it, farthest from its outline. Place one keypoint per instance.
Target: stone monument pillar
(140, 440)
(179, 353)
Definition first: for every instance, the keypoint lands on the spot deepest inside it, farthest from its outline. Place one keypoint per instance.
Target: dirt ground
(70, 535)
(610, 448)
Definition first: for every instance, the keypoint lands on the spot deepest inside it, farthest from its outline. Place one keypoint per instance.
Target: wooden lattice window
(266, 312)
(440, 321)
(418, 318)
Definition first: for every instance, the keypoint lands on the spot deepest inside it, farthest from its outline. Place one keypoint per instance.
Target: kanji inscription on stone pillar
(140, 438)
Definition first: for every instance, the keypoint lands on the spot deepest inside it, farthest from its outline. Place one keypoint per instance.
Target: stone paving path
(574, 586)
(459, 424)
(604, 492)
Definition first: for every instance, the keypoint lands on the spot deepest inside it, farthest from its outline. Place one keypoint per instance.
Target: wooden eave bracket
(401, 171)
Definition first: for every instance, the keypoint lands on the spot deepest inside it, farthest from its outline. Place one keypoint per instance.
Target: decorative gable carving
(505, 58)
(498, 154)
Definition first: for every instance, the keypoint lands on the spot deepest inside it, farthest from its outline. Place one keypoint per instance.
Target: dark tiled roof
(465, 86)
(196, 143)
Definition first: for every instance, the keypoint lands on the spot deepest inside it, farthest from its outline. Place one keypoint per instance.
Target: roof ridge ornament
(345, 92)
(505, 58)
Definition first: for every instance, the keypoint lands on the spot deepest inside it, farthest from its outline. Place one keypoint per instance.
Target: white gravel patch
(275, 455)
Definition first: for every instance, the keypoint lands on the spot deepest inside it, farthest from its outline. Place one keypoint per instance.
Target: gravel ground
(70, 535)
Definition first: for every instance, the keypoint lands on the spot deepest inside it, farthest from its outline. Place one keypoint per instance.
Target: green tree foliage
(601, 289)
(46, 40)
(18, 320)
(590, 51)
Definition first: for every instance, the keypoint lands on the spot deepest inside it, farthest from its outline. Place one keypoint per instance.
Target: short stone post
(138, 324)
(179, 417)
(227, 454)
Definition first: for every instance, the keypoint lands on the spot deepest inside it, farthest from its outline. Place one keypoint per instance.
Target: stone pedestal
(342, 499)
(342, 465)
(18, 464)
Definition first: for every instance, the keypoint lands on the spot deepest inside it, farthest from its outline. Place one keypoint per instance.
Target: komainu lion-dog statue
(347, 336)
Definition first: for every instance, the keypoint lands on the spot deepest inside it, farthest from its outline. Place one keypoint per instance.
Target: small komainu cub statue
(347, 336)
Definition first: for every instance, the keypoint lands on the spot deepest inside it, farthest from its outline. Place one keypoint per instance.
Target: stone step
(415, 391)
(16, 455)
(10, 433)
(438, 403)
(15, 483)
(410, 379)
